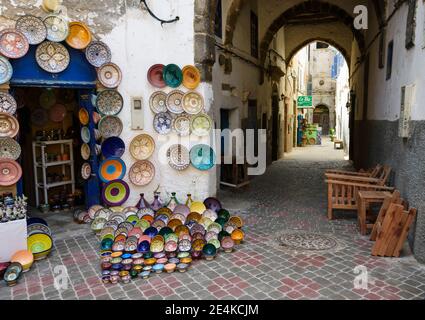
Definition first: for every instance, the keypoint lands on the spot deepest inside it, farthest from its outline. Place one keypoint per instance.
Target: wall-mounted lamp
(155, 17)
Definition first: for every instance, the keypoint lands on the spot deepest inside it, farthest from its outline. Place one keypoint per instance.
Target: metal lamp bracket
(177, 18)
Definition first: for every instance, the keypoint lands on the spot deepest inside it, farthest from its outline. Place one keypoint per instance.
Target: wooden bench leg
(330, 214)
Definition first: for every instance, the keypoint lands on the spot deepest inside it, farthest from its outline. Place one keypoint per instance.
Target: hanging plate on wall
(85, 134)
(13, 44)
(174, 101)
(142, 147)
(113, 147)
(112, 169)
(109, 102)
(33, 28)
(115, 193)
(57, 28)
(57, 113)
(9, 149)
(202, 157)
(9, 125)
(7, 103)
(158, 102)
(155, 76)
(109, 74)
(110, 126)
(83, 116)
(47, 98)
(85, 170)
(193, 103)
(98, 53)
(50, 5)
(191, 77)
(172, 75)
(162, 123)
(10, 172)
(79, 35)
(6, 70)
(85, 151)
(39, 117)
(201, 125)
(178, 157)
(52, 57)
(181, 124)
(142, 173)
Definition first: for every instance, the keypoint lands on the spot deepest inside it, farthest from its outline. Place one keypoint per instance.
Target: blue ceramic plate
(172, 75)
(113, 147)
(6, 70)
(202, 157)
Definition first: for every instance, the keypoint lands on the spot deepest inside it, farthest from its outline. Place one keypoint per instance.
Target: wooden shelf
(56, 163)
(55, 184)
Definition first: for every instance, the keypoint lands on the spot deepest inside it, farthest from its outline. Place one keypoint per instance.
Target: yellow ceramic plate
(142, 147)
(191, 77)
(79, 35)
(198, 207)
(83, 115)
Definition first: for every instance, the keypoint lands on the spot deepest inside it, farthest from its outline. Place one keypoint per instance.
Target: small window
(321, 45)
(254, 35)
(218, 27)
(390, 53)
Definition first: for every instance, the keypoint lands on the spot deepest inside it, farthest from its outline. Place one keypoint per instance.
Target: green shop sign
(305, 102)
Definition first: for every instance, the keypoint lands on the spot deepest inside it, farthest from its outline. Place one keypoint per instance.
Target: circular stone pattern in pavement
(303, 241)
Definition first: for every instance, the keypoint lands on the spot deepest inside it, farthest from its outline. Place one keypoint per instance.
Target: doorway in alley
(321, 118)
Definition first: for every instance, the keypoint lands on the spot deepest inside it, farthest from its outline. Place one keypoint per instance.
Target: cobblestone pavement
(289, 198)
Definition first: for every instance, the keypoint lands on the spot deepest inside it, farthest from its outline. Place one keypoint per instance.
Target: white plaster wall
(341, 99)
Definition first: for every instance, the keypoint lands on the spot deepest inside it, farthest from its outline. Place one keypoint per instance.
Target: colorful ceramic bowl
(25, 258)
(115, 192)
(158, 268)
(112, 169)
(12, 274)
(238, 236)
(40, 245)
(113, 147)
(170, 267)
(227, 244)
(172, 75)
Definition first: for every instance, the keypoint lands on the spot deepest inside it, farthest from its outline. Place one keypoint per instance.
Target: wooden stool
(364, 199)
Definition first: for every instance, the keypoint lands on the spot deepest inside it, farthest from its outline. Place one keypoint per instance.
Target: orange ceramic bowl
(25, 258)
(182, 229)
(148, 218)
(194, 216)
(237, 235)
(237, 221)
(174, 223)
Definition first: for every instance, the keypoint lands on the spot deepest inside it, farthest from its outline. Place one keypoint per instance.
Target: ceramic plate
(202, 157)
(155, 76)
(178, 157)
(174, 101)
(85, 151)
(191, 77)
(113, 147)
(13, 43)
(83, 116)
(193, 103)
(52, 57)
(10, 172)
(9, 148)
(38, 228)
(39, 117)
(98, 53)
(112, 169)
(142, 147)
(6, 70)
(33, 28)
(110, 126)
(85, 134)
(85, 170)
(162, 123)
(57, 28)
(9, 125)
(201, 125)
(109, 74)
(158, 102)
(142, 173)
(47, 99)
(212, 204)
(109, 102)
(115, 193)
(172, 75)
(79, 35)
(7, 103)
(181, 124)
(57, 113)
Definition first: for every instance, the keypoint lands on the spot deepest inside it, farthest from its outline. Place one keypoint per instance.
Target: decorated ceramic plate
(193, 103)
(79, 35)
(201, 125)
(6, 70)
(9, 125)
(57, 28)
(7, 103)
(191, 77)
(85, 134)
(33, 28)
(174, 101)
(142, 147)
(103, 213)
(155, 76)
(85, 170)
(158, 102)
(202, 157)
(162, 123)
(110, 126)
(109, 74)
(52, 57)
(83, 116)
(181, 124)
(212, 204)
(172, 75)
(93, 209)
(57, 113)
(115, 192)
(85, 151)
(112, 169)
(10, 172)
(113, 147)
(109, 102)
(9, 148)
(39, 117)
(13, 44)
(38, 228)
(178, 157)
(142, 173)
(98, 53)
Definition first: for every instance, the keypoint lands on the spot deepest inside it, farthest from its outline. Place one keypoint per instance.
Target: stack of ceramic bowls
(39, 239)
(141, 242)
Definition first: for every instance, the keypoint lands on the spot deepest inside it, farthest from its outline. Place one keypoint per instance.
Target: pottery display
(9, 125)
(33, 28)
(57, 28)
(155, 76)
(57, 113)
(6, 70)
(25, 258)
(9, 148)
(142, 147)
(40, 244)
(115, 193)
(110, 126)
(162, 123)
(109, 75)
(174, 102)
(181, 124)
(158, 102)
(172, 75)
(85, 151)
(7, 103)
(201, 125)
(10, 172)
(13, 44)
(193, 103)
(52, 57)
(202, 157)
(79, 35)
(178, 157)
(142, 173)
(112, 169)
(113, 147)
(109, 102)
(86, 171)
(83, 116)
(191, 77)
(98, 53)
